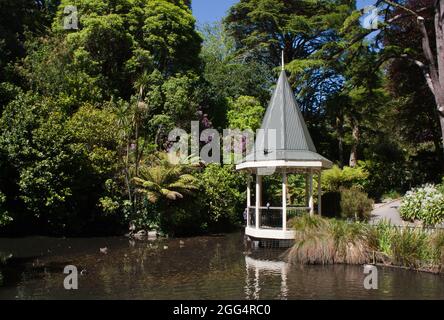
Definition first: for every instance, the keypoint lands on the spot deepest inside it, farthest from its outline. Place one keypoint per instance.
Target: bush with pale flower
(425, 204)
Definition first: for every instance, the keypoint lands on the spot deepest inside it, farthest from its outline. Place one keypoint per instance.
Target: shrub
(165, 191)
(245, 113)
(223, 196)
(355, 204)
(4, 216)
(433, 210)
(335, 178)
(440, 187)
(425, 204)
(388, 173)
(186, 219)
(59, 161)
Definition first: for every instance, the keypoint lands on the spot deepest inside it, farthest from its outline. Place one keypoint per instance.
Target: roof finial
(283, 61)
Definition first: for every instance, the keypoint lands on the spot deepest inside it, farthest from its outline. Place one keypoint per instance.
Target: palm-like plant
(164, 180)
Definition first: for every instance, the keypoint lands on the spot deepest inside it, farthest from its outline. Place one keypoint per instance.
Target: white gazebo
(291, 152)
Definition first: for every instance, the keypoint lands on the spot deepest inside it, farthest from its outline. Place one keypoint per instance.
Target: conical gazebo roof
(294, 146)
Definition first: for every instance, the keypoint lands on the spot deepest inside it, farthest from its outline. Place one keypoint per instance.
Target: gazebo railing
(293, 212)
(271, 217)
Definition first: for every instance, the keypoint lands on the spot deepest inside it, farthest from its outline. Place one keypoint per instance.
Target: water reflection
(197, 268)
(254, 268)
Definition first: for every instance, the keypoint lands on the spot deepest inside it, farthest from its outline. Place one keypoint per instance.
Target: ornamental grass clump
(322, 241)
(351, 242)
(313, 241)
(381, 242)
(437, 245)
(410, 248)
(425, 204)
(330, 241)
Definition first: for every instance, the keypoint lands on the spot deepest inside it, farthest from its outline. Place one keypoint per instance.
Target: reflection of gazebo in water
(268, 268)
(292, 153)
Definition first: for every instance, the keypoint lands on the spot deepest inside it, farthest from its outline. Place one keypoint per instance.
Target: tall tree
(426, 17)
(432, 65)
(262, 29)
(19, 17)
(226, 71)
(417, 123)
(116, 42)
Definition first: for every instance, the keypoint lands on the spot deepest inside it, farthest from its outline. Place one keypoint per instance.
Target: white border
(283, 163)
(275, 234)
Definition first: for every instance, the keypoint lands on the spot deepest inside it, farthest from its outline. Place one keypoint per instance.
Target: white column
(258, 197)
(249, 192)
(248, 200)
(284, 201)
(310, 192)
(320, 193)
(307, 191)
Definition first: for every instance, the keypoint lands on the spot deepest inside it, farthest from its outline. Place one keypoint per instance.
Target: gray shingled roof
(293, 140)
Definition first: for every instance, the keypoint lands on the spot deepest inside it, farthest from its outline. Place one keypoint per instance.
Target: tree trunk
(438, 85)
(433, 68)
(439, 144)
(354, 150)
(441, 121)
(340, 129)
(438, 93)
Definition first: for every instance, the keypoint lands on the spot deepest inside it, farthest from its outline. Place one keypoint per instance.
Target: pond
(219, 267)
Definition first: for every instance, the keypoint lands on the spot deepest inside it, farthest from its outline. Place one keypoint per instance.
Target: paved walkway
(387, 211)
(390, 212)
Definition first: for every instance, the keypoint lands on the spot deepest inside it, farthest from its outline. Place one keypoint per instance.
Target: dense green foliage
(245, 113)
(86, 113)
(354, 108)
(62, 164)
(355, 204)
(64, 134)
(336, 178)
(224, 196)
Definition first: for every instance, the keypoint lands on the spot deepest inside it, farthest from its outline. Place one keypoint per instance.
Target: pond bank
(330, 241)
(190, 268)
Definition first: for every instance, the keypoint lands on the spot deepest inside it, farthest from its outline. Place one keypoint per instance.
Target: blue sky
(207, 11)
